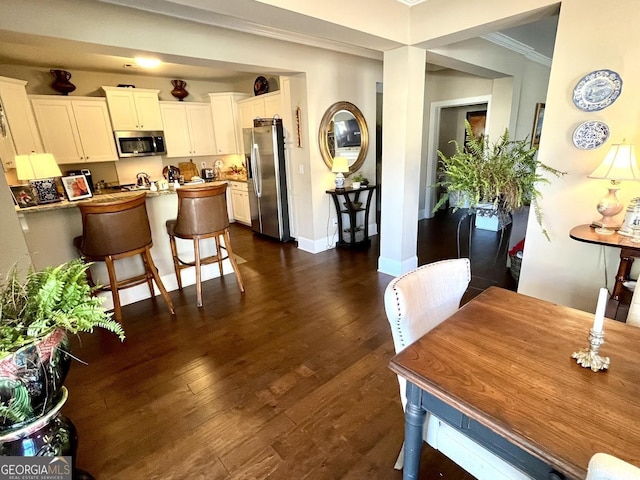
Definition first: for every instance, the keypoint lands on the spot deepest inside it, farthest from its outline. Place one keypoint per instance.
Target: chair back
(202, 210)
(421, 299)
(111, 228)
(607, 467)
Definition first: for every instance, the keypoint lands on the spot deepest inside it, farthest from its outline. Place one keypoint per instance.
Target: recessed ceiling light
(145, 62)
(411, 2)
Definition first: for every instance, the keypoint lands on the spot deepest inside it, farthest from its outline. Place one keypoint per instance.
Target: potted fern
(36, 314)
(495, 178)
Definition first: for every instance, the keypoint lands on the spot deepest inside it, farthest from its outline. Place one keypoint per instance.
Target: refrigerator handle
(255, 170)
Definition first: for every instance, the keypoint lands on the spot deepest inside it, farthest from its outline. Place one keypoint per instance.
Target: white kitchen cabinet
(263, 106)
(75, 129)
(134, 108)
(188, 129)
(226, 122)
(240, 201)
(18, 129)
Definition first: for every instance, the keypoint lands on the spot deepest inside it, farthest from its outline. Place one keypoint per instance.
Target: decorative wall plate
(260, 86)
(590, 135)
(597, 90)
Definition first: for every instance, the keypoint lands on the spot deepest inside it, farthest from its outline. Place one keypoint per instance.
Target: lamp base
(608, 225)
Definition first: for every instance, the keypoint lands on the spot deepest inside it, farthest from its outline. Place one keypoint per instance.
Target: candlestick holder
(588, 357)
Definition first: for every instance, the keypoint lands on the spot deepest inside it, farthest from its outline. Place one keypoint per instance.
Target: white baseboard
(395, 268)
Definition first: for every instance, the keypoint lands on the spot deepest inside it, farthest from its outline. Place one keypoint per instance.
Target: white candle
(598, 320)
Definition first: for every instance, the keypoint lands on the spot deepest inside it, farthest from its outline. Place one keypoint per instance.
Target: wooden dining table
(504, 360)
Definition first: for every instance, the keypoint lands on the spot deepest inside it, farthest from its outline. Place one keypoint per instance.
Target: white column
(402, 120)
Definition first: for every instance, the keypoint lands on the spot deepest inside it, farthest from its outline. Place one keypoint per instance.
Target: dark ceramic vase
(178, 89)
(61, 82)
(31, 379)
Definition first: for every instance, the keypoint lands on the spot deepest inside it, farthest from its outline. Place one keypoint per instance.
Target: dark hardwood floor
(287, 381)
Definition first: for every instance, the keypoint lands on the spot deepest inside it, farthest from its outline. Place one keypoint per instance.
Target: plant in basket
(36, 314)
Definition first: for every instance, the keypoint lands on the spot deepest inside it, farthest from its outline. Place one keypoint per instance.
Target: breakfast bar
(50, 229)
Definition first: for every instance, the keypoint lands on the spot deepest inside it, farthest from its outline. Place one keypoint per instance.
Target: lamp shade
(340, 165)
(619, 164)
(36, 165)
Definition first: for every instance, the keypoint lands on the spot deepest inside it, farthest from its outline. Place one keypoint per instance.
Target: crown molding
(518, 47)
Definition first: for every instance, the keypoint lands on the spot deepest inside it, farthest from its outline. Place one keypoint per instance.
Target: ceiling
(42, 52)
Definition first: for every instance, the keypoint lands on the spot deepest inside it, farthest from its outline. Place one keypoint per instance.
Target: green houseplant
(35, 316)
(505, 174)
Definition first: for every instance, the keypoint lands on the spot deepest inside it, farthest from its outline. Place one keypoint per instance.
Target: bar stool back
(202, 213)
(119, 229)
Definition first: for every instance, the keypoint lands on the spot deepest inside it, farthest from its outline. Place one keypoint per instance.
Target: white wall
(563, 270)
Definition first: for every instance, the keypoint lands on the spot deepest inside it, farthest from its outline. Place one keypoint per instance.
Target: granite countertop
(105, 196)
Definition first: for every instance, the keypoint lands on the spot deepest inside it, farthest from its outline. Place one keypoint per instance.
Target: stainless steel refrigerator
(267, 179)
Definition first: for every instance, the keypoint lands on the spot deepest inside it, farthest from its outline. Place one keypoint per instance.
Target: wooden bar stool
(202, 213)
(115, 230)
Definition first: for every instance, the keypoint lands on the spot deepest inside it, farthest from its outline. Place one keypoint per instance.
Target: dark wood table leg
(415, 415)
(626, 261)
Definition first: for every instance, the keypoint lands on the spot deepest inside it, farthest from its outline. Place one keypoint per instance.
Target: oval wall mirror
(343, 133)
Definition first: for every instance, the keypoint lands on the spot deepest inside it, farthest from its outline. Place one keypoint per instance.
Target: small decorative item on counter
(237, 170)
(153, 187)
(61, 82)
(178, 89)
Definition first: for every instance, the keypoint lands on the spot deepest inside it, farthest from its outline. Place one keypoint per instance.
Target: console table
(628, 251)
(349, 207)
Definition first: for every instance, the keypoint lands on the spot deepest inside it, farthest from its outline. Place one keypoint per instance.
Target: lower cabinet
(240, 202)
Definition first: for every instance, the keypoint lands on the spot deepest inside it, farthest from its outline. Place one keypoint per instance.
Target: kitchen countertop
(109, 195)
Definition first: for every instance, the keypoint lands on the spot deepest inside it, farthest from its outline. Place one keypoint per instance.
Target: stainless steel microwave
(139, 144)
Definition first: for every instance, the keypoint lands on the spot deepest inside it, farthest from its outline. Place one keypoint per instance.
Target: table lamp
(39, 169)
(619, 164)
(340, 166)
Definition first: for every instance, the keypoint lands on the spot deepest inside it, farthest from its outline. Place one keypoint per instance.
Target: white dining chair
(603, 466)
(415, 303)
(633, 316)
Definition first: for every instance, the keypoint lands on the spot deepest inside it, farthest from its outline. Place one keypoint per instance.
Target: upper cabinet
(268, 105)
(226, 121)
(134, 108)
(75, 129)
(188, 129)
(18, 128)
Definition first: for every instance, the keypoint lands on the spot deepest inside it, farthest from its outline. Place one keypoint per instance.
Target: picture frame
(46, 190)
(537, 125)
(23, 196)
(76, 187)
(478, 121)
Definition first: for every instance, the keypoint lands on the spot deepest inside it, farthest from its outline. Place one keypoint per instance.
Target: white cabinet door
(226, 122)
(134, 109)
(57, 124)
(200, 123)
(273, 105)
(148, 110)
(7, 149)
(188, 129)
(240, 201)
(75, 130)
(176, 130)
(94, 129)
(250, 109)
(19, 116)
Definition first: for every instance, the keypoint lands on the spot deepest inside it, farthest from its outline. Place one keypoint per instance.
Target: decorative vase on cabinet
(61, 82)
(179, 89)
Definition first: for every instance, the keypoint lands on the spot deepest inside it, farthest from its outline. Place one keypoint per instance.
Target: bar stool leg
(147, 271)
(117, 311)
(156, 277)
(196, 250)
(219, 254)
(176, 262)
(232, 258)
